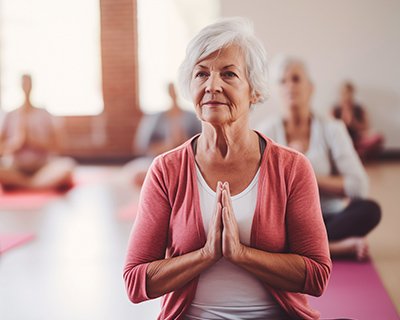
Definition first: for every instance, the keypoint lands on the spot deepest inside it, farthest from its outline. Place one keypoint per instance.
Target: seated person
(160, 132)
(28, 140)
(229, 224)
(342, 181)
(367, 142)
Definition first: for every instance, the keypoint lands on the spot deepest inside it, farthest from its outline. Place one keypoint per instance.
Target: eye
(296, 78)
(201, 74)
(229, 74)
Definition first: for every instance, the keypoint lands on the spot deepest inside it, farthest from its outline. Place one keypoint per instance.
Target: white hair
(221, 34)
(280, 63)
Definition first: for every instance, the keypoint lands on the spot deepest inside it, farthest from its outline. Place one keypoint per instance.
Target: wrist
(238, 255)
(208, 256)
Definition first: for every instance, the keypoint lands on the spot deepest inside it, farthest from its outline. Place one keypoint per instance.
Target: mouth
(213, 103)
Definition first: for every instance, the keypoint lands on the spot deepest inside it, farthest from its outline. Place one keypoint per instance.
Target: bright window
(57, 42)
(165, 27)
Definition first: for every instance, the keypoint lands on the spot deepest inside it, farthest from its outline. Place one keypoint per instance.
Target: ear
(255, 98)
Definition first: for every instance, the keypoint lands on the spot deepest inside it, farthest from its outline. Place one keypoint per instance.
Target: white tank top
(226, 291)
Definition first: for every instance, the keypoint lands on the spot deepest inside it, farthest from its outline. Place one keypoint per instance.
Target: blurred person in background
(163, 131)
(367, 142)
(160, 132)
(342, 180)
(229, 224)
(28, 144)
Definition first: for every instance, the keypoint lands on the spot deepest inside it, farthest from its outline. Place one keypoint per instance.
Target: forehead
(295, 69)
(226, 56)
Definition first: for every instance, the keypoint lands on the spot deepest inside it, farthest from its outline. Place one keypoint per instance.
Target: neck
(27, 103)
(175, 109)
(226, 140)
(297, 116)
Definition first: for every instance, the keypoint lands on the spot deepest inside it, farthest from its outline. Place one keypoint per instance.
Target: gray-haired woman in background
(342, 181)
(229, 224)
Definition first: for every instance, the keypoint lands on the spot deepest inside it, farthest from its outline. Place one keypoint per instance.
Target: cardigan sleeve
(305, 226)
(149, 235)
(346, 160)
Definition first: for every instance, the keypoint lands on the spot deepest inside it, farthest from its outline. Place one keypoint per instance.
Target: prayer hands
(231, 246)
(223, 232)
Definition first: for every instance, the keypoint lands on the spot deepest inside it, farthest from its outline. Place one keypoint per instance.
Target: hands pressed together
(223, 231)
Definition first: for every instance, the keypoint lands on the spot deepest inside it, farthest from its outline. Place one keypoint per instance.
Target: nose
(288, 86)
(214, 83)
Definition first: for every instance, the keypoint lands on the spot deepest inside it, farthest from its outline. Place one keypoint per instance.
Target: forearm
(164, 276)
(331, 185)
(282, 271)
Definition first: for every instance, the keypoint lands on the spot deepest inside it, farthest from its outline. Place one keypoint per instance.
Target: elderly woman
(229, 224)
(341, 178)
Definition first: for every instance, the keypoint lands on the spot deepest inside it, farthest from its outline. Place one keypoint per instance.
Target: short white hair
(281, 62)
(221, 34)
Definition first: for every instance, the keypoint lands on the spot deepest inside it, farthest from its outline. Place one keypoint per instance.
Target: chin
(214, 122)
(215, 118)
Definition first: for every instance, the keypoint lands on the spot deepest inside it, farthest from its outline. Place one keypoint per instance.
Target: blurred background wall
(357, 40)
(45, 38)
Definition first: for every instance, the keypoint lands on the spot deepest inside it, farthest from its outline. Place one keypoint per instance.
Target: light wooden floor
(385, 239)
(73, 269)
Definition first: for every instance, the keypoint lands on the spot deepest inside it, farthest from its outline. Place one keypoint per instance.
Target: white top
(330, 152)
(226, 291)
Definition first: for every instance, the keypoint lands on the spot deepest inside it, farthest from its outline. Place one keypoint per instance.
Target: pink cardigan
(287, 219)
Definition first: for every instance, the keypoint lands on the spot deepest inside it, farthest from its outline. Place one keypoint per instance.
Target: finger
(216, 216)
(228, 219)
(228, 190)
(218, 222)
(218, 192)
(225, 217)
(217, 196)
(226, 200)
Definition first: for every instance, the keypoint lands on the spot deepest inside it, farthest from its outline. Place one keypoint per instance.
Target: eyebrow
(226, 67)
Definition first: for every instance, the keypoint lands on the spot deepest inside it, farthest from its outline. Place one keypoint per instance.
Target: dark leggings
(356, 220)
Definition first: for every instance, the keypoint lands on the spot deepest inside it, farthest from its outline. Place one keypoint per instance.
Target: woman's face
(294, 88)
(219, 87)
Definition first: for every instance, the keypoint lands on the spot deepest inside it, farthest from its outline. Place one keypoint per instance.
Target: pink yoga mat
(33, 200)
(128, 212)
(9, 241)
(355, 291)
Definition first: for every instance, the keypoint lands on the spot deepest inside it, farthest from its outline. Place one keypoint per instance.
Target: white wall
(341, 39)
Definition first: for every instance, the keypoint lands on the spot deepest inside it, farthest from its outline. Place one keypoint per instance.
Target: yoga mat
(32, 200)
(26, 200)
(128, 212)
(9, 241)
(355, 291)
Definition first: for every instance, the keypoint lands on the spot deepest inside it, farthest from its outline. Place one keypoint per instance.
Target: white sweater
(330, 152)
